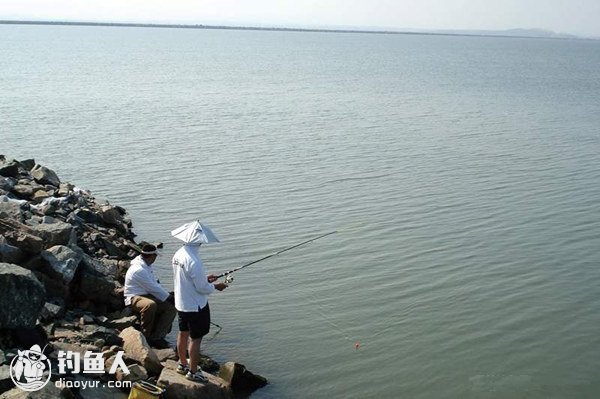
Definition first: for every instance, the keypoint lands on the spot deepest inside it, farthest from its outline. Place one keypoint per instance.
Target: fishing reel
(229, 279)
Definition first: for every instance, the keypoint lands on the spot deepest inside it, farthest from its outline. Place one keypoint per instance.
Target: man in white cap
(148, 298)
(192, 288)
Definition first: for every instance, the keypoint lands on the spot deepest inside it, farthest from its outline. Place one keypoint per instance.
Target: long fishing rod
(274, 254)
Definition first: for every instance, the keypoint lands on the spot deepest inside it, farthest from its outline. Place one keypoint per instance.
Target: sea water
(463, 175)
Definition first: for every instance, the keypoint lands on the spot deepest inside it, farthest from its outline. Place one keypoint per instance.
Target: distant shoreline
(256, 28)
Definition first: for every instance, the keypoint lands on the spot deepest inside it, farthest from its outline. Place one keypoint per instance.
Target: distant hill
(510, 32)
(540, 33)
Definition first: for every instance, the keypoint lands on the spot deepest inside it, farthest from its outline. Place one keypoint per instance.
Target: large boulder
(111, 215)
(137, 348)
(10, 209)
(9, 167)
(165, 354)
(51, 312)
(136, 373)
(22, 297)
(43, 175)
(28, 242)
(28, 164)
(10, 253)
(23, 190)
(20, 236)
(63, 261)
(100, 290)
(53, 232)
(64, 189)
(100, 267)
(7, 183)
(240, 379)
(55, 287)
(177, 386)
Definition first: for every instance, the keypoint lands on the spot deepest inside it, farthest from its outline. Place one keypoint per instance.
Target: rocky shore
(63, 258)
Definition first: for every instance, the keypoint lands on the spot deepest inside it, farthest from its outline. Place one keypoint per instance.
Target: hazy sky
(569, 16)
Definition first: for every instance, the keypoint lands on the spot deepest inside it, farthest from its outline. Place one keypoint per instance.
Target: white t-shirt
(189, 278)
(140, 280)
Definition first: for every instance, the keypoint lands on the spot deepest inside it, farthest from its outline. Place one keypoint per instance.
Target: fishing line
(313, 301)
(316, 305)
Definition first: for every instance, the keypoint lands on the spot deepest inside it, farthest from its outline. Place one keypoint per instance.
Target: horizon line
(385, 31)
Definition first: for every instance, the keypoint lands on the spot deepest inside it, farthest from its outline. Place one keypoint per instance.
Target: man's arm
(200, 280)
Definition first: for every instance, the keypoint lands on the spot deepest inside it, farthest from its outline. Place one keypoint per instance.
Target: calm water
(465, 170)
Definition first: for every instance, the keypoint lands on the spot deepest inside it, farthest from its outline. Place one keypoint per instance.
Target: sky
(579, 17)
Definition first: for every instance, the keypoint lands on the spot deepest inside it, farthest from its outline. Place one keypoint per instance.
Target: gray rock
(55, 287)
(18, 235)
(49, 391)
(10, 209)
(7, 183)
(111, 215)
(87, 215)
(50, 189)
(136, 373)
(240, 379)
(23, 190)
(177, 386)
(40, 195)
(10, 254)
(208, 364)
(51, 312)
(28, 164)
(112, 249)
(29, 243)
(33, 221)
(63, 261)
(57, 233)
(104, 292)
(122, 323)
(165, 354)
(64, 189)
(43, 175)
(22, 297)
(102, 267)
(137, 348)
(9, 168)
(47, 210)
(5, 381)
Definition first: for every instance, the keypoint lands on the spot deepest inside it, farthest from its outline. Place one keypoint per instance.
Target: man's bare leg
(182, 345)
(194, 354)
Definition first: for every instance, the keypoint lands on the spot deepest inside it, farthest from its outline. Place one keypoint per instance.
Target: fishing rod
(227, 273)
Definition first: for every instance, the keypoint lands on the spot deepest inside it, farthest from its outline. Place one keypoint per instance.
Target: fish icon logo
(30, 369)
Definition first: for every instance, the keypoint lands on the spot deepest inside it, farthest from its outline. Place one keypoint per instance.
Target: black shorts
(197, 323)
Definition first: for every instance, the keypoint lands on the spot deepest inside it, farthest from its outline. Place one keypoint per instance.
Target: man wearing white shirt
(148, 298)
(192, 288)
